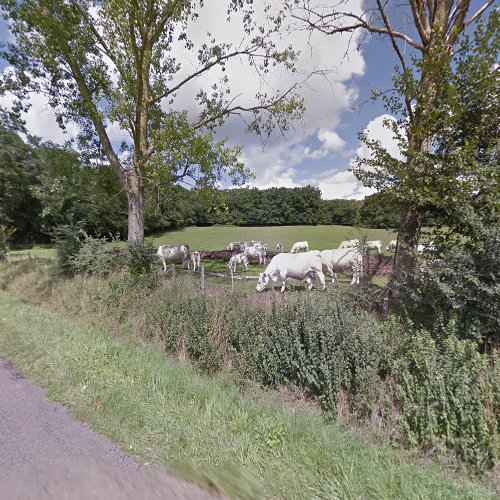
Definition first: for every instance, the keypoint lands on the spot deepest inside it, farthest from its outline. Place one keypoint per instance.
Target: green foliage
(18, 172)
(94, 258)
(5, 235)
(446, 392)
(342, 212)
(141, 259)
(68, 240)
(380, 210)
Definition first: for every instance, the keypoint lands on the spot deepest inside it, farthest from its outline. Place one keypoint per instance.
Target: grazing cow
(342, 259)
(259, 252)
(236, 260)
(299, 245)
(173, 253)
(194, 258)
(392, 245)
(237, 246)
(296, 266)
(349, 244)
(279, 247)
(374, 245)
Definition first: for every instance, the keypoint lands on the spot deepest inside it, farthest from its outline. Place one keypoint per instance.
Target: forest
(44, 185)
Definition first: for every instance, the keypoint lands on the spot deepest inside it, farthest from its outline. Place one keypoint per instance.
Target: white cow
(258, 252)
(195, 259)
(279, 247)
(237, 246)
(296, 266)
(342, 259)
(349, 244)
(236, 260)
(173, 253)
(392, 245)
(374, 245)
(430, 247)
(299, 245)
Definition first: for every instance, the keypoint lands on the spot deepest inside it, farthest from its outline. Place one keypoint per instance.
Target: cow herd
(300, 263)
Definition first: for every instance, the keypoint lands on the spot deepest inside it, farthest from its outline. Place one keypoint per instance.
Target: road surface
(45, 453)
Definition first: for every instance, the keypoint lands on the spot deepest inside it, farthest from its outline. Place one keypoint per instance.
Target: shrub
(94, 258)
(141, 259)
(448, 395)
(67, 239)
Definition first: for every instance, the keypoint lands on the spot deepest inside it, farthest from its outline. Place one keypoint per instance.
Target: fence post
(173, 271)
(232, 278)
(202, 277)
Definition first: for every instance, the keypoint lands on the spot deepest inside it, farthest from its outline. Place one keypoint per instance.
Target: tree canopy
(116, 63)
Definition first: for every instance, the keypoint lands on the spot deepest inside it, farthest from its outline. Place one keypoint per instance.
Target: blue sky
(320, 149)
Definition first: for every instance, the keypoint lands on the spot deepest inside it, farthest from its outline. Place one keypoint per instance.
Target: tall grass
(203, 428)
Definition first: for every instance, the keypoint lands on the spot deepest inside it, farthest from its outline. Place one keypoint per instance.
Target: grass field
(218, 237)
(319, 237)
(164, 412)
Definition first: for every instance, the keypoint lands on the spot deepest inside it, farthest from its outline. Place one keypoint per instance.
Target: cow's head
(230, 247)
(263, 281)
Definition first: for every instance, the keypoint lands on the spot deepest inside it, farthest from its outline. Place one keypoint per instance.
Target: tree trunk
(409, 235)
(136, 211)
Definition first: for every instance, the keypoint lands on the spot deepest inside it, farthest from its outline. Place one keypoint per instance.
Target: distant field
(218, 237)
(319, 237)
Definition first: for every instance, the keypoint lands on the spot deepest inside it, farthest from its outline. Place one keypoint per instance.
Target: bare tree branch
(323, 25)
(479, 13)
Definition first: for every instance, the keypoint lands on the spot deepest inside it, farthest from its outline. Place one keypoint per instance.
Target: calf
(299, 245)
(236, 260)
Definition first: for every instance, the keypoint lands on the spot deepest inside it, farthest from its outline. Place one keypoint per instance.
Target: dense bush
(448, 395)
(67, 239)
(94, 258)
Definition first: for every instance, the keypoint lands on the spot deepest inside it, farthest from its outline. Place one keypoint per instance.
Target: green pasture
(318, 237)
(218, 237)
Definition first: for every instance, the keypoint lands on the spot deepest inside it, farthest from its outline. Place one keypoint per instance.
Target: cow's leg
(283, 276)
(164, 265)
(334, 278)
(309, 282)
(321, 277)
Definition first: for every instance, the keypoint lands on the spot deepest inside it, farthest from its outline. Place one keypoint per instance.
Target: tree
(112, 63)
(18, 173)
(436, 28)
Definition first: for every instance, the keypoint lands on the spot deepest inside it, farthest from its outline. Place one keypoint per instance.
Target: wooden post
(202, 277)
(232, 278)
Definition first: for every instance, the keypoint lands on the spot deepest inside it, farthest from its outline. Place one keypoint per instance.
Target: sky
(320, 149)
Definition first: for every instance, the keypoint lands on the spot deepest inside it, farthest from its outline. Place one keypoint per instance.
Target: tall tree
(434, 29)
(114, 63)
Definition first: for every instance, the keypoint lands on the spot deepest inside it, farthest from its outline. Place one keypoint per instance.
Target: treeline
(43, 186)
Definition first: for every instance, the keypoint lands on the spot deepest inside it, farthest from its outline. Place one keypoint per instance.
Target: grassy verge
(166, 413)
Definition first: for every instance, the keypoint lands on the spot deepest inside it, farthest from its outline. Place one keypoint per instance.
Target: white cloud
(327, 97)
(341, 184)
(41, 119)
(336, 183)
(378, 131)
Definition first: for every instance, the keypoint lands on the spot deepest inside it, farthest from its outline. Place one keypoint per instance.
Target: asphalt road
(45, 453)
